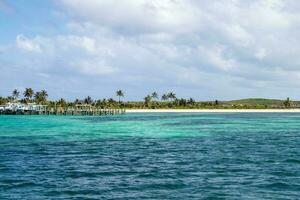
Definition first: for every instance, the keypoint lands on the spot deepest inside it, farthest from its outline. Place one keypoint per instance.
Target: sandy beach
(213, 110)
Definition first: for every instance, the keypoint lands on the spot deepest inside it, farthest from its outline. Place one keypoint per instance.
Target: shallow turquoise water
(151, 156)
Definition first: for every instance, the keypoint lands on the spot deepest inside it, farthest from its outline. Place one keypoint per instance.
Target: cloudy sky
(197, 48)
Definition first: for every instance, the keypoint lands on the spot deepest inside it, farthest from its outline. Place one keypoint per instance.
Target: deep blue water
(151, 156)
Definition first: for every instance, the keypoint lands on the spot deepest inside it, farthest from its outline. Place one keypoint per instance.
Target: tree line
(29, 96)
(150, 101)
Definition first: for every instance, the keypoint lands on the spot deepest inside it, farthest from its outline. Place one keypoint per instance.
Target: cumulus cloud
(250, 46)
(84, 43)
(136, 17)
(94, 67)
(27, 44)
(246, 29)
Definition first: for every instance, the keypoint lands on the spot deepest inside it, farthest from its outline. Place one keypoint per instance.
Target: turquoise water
(151, 156)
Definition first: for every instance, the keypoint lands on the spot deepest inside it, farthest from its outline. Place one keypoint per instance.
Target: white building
(23, 107)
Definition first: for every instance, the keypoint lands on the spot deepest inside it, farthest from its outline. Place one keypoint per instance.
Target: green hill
(260, 101)
(255, 101)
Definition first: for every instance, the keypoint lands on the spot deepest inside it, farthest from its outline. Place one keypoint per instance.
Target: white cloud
(94, 67)
(230, 43)
(85, 43)
(261, 53)
(27, 44)
(140, 16)
(72, 53)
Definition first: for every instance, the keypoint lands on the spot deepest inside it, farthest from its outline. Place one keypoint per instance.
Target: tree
(15, 94)
(98, 103)
(154, 95)
(120, 94)
(3, 101)
(147, 100)
(216, 102)
(182, 102)
(41, 96)
(37, 97)
(62, 103)
(171, 95)
(77, 101)
(287, 103)
(28, 94)
(104, 103)
(164, 97)
(10, 98)
(88, 100)
(111, 101)
(44, 94)
(191, 101)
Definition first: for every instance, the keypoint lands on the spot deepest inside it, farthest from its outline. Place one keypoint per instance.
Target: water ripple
(151, 156)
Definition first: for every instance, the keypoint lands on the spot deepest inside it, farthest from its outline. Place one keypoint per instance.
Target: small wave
(294, 161)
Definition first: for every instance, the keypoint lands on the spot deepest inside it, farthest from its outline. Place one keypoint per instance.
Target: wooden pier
(68, 111)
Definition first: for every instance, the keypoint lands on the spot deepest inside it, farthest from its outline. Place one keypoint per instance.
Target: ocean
(151, 156)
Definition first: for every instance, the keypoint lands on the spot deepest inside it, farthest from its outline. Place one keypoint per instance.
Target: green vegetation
(151, 101)
(120, 94)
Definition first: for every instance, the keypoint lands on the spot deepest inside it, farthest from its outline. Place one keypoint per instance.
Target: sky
(223, 49)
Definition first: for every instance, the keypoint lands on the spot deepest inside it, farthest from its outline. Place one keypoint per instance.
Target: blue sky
(202, 49)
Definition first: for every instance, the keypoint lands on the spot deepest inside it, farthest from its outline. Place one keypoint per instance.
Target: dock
(91, 112)
(79, 110)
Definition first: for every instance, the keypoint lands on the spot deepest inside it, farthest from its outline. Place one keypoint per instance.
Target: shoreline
(296, 110)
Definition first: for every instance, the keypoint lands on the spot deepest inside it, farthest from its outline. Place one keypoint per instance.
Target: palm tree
(88, 100)
(41, 97)
(10, 98)
(28, 93)
(62, 103)
(171, 95)
(120, 94)
(44, 94)
(111, 100)
(287, 103)
(15, 94)
(77, 101)
(2, 100)
(154, 95)
(216, 102)
(147, 100)
(191, 101)
(38, 97)
(164, 97)
(104, 102)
